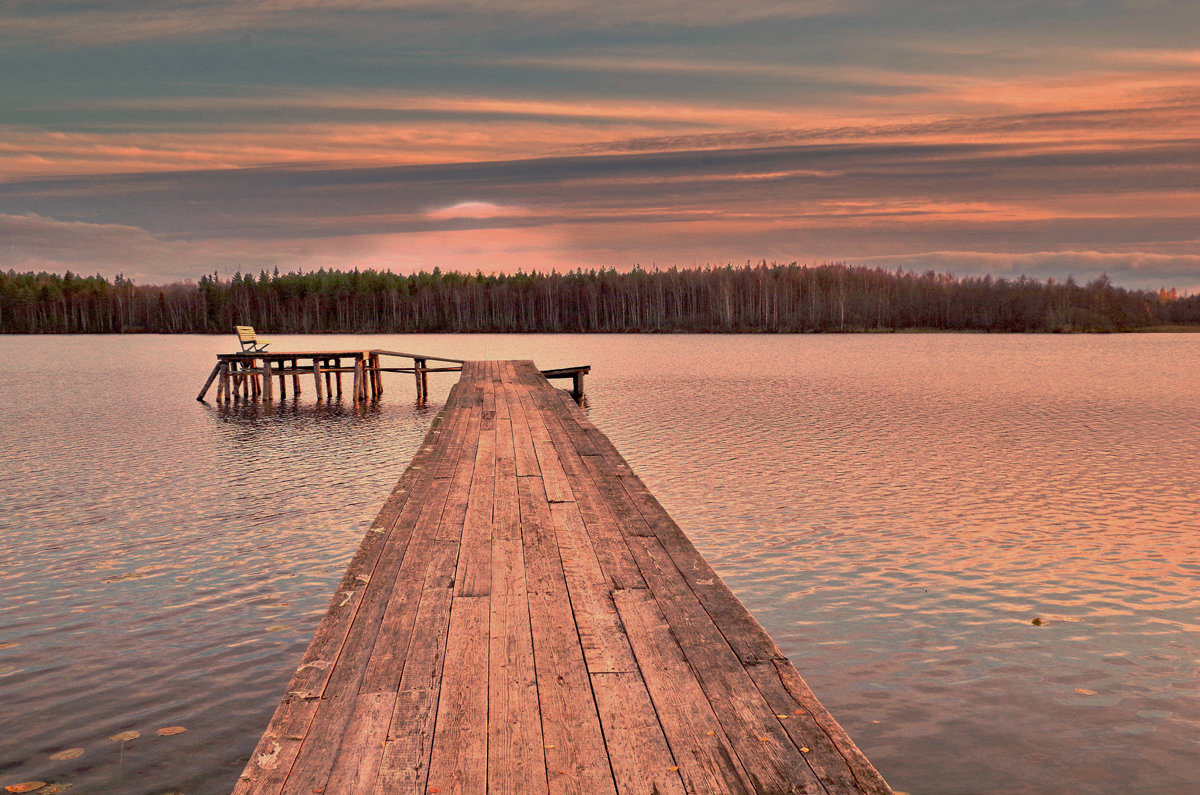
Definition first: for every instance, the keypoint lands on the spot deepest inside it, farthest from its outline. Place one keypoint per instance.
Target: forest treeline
(752, 298)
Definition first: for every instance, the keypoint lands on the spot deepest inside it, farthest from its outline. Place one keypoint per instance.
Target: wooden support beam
(211, 377)
(317, 378)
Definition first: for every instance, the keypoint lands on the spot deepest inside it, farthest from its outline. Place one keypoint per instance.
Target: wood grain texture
(524, 617)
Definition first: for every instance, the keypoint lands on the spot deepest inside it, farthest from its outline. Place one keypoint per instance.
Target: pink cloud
(474, 209)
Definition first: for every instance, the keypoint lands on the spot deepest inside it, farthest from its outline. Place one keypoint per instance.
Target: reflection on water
(896, 510)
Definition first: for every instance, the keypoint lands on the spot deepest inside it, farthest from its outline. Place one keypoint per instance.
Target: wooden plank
(451, 525)
(526, 456)
(516, 756)
(607, 538)
(576, 760)
(558, 487)
(459, 754)
(866, 777)
(427, 573)
(474, 560)
(641, 759)
(766, 751)
(747, 637)
(505, 510)
(601, 636)
(404, 758)
(622, 506)
(706, 761)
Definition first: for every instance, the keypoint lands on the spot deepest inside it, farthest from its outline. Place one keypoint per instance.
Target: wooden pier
(249, 375)
(524, 617)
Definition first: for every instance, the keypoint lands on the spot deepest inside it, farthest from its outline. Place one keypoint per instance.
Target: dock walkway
(524, 617)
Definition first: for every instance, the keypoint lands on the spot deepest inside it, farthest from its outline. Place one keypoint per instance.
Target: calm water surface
(896, 510)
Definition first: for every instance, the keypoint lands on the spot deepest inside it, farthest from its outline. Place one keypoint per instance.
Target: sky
(165, 139)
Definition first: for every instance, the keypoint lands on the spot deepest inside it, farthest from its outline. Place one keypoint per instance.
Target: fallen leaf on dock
(124, 737)
(673, 768)
(804, 749)
(25, 786)
(1083, 691)
(68, 753)
(167, 731)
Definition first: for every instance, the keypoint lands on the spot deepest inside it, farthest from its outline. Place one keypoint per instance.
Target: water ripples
(896, 510)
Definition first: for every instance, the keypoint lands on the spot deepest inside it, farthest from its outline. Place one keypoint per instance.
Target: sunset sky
(169, 138)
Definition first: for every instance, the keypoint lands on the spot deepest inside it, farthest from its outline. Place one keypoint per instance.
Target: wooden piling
(267, 387)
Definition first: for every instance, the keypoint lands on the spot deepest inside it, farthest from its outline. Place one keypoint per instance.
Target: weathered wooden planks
(524, 617)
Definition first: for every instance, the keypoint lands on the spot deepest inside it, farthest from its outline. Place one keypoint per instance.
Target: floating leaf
(50, 789)
(125, 736)
(12, 645)
(1083, 691)
(1037, 622)
(69, 753)
(167, 731)
(25, 786)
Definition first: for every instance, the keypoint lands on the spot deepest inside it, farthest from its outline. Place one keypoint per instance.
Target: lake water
(895, 509)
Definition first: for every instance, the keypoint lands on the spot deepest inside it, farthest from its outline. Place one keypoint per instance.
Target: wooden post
(424, 381)
(577, 385)
(317, 378)
(376, 376)
(244, 380)
(296, 377)
(357, 385)
(338, 364)
(268, 389)
(223, 384)
(211, 377)
(419, 374)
